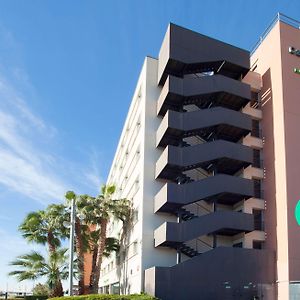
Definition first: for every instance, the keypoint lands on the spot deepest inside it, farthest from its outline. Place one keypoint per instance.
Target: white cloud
(29, 179)
(25, 164)
(30, 163)
(29, 160)
(92, 174)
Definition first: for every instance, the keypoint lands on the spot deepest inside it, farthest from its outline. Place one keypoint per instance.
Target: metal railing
(199, 245)
(198, 209)
(279, 17)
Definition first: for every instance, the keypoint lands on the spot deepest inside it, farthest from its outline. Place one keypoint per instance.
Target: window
(255, 100)
(255, 129)
(258, 219)
(257, 188)
(257, 245)
(256, 158)
(138, 123)
(135, 216)
(134, 248)
(137, 183)
(115, 288)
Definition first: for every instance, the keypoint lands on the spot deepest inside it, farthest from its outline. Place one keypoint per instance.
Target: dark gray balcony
(205, 91)
(221, 222)
(221, 123)
(184, 51)
(221, 188)
(224, 156)
(221, 273)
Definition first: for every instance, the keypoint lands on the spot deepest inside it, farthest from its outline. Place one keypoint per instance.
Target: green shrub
(36, 297)
(107, 297)
(41, 290)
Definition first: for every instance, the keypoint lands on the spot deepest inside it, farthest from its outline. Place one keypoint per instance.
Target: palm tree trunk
(95, 276)
(57, 290)
(80, 254)
(50, 242)
(94, 260)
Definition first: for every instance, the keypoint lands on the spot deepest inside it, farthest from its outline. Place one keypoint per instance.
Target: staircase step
(186, 215)
(188, 251)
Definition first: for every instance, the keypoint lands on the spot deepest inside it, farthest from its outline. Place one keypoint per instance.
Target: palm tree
(93, 214)
(81, 235)
(46, 226)
(101, 209)
(33, 266)
(123, 211)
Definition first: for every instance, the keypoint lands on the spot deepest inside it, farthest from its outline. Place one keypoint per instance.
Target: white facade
(133, 173)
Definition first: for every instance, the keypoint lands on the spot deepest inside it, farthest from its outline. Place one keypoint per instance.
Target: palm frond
(111, 245)
(24, 275)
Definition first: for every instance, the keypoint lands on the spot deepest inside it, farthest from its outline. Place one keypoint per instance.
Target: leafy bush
(108, 297)
(40, 290)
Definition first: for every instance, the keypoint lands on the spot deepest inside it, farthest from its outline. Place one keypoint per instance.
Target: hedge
(107, 297)
(35, 297)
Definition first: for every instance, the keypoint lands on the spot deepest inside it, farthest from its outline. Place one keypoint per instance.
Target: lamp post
(71, 197)
(71, 246)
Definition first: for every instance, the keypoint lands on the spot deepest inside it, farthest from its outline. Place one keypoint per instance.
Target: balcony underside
(221, 188)
(205, 91)
(216, 274)
(214, 123)
(179, 69)
(220, 222)
(184, 51)
(223, 156)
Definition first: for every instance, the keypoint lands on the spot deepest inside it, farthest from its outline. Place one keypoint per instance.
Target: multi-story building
(209, 156)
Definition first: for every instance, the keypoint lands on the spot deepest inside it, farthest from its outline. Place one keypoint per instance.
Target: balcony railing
(279, 17)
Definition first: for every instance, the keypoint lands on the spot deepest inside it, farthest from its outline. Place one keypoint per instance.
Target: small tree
(33, 265)
(41, 290)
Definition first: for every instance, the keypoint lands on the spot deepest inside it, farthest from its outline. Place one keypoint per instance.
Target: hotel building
(210, 157)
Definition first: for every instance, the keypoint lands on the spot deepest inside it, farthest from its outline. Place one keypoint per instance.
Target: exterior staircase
(186, 215)
(188, 251)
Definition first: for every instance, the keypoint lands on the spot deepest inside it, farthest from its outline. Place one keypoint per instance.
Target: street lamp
(71, 196)
(71, 247)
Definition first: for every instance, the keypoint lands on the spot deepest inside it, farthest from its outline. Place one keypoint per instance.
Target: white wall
(127, 173)
(152, 256)
(134, 161)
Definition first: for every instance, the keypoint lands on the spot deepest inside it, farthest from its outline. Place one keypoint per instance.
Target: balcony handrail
(194, 244)
(279, 17)
(203, 243)
(206, 209)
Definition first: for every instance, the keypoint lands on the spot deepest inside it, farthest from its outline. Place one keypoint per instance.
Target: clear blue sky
(68, 69)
